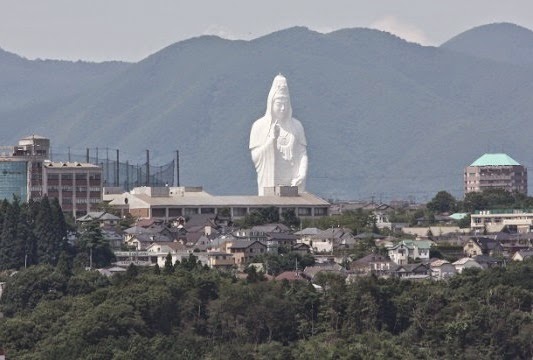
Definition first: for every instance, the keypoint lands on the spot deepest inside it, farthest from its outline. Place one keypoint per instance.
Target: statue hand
(276, 131)
(296, 182)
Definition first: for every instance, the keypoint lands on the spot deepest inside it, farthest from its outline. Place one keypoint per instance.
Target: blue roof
(495, 160)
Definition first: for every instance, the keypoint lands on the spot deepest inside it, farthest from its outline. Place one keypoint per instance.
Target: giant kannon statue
(277, 142)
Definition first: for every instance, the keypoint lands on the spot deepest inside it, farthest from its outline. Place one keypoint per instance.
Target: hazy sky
(99, 30)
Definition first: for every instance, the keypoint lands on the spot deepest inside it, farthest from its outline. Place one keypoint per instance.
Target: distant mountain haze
(383, 117)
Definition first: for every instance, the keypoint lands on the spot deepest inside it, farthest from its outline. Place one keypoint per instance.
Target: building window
(239, 211)
(158, 212)
(190, 211)
(321, 211)
(305, 211)
(174, 212)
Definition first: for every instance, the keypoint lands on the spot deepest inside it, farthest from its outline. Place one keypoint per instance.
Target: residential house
(260, 232)
(220, 260)
(371, 264)
(411, 271)
(292, 276)
(407, 250)
(108, 272)
(512, 241)
(522, 255)
(487, 261)
(442, 269)
(276, 240)
(331, 239)
(114, 239)
(331, 268)
(301, 249)
(466, 263)
(482, 246)
(142, 241)
(244, 251)
(104, 218)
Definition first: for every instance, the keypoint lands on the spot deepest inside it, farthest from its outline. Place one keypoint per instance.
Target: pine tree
(59, 224)
(27, 236)
(157, 270)
(169, 268)
(4, 205)
(92, 241)
(10, 254)
(48, 245)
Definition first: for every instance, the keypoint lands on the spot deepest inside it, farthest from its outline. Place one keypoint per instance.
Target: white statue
(277, 142)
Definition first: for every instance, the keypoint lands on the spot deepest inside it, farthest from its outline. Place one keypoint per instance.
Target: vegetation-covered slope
(192, 313)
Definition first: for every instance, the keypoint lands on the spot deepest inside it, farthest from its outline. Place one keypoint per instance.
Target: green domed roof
(495, 160)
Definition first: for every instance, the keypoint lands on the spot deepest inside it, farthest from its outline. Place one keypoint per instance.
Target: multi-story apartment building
(77, 186)
(495, 171)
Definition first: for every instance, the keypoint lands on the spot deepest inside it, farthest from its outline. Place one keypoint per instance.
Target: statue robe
(281, 160)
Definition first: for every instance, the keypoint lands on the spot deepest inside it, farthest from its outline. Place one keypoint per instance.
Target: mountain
(383, 117)
(502, 42)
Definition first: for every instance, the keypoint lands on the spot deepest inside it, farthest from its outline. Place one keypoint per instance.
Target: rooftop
(183, 197)
(499, 159)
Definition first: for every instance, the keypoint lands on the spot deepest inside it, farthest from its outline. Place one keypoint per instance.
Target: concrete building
(21, 168)
(77, 186)
(516, 220)
(495, 171)
(171, 202)
(27, 172)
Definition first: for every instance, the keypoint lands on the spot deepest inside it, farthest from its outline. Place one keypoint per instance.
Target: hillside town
(283, 234)
(266, 181)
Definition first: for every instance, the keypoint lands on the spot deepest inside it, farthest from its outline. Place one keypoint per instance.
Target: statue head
(279, 102)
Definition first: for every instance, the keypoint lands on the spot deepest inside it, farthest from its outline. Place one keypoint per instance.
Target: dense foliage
(192, 312)
(31, 233)
(487, 199)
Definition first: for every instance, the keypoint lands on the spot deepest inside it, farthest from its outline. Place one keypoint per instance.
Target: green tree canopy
(442, 202)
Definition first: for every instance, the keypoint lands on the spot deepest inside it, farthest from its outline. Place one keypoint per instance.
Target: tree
(289, 218)
(442, 202)
(157, 270)
(253, 275)
(168, 268)
(261, 216)
(464, 222)
(12, 253)
(49, 246)
(92, 242)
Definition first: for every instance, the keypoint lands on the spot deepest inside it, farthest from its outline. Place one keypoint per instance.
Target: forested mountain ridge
(382, 116)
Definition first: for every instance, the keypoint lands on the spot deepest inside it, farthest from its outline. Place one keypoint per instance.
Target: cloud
(408, 32)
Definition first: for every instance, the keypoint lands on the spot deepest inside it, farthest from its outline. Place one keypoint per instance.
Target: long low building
(171, 202)
(519, 220)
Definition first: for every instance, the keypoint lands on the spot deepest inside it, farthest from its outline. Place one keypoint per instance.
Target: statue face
(280, 107)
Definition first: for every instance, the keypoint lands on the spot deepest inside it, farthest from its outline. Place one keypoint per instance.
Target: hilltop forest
(185, 311)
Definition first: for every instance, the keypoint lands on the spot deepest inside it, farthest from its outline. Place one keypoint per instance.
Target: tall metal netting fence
(123, 173)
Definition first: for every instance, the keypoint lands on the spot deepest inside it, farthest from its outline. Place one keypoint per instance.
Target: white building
(409, 249)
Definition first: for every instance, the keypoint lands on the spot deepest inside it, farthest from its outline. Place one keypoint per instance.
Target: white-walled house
(409, 249)
(466, 263)
(442, 269)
